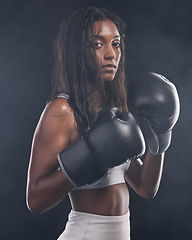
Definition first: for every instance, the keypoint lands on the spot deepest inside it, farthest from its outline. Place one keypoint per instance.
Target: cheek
(118, 56)
(99, 56)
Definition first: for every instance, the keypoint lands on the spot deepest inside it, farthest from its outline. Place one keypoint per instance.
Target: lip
(109, 67)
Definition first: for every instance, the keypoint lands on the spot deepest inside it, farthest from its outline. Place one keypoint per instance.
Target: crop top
(114, 175)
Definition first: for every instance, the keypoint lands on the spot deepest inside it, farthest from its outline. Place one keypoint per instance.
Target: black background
(158, 39)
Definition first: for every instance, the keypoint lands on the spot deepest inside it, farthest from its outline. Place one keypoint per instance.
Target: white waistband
(81, 215)
(88, 226)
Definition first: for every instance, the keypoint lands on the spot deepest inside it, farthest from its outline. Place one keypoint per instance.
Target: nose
(109, 53)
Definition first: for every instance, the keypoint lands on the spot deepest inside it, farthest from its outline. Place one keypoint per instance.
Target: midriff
(109, 201)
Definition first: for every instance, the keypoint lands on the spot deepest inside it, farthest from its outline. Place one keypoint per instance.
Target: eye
(116, 44)
(98, 44)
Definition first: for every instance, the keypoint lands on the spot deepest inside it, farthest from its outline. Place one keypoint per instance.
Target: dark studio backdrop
(158, 39)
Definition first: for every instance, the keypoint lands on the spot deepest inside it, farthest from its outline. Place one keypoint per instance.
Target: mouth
(109, 67)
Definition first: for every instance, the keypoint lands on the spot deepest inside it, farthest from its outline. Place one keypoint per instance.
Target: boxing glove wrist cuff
(79, 165)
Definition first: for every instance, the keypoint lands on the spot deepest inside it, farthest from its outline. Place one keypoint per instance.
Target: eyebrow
(101, 37)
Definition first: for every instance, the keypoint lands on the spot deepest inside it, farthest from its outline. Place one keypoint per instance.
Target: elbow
(148, 194)
(33, 204)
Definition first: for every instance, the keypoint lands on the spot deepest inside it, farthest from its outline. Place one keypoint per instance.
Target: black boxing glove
(154, 102)
(114, 138)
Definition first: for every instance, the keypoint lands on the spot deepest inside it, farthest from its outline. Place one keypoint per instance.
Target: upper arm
(52, 135)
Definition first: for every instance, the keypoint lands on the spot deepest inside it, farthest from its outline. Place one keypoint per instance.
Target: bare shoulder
(57, 122)
(61, 112)
(58, 107)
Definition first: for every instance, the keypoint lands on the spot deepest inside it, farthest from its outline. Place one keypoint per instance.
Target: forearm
(150, 174)
(144, 177)
(47, 192)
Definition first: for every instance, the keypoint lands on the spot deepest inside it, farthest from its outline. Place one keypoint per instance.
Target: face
(107, 48)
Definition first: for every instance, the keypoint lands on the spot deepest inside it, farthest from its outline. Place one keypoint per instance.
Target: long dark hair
(76, 71)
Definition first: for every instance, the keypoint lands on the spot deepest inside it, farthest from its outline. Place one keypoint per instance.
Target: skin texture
(47, 185)
(107, 48)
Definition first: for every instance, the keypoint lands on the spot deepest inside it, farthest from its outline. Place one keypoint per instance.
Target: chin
(109, 77)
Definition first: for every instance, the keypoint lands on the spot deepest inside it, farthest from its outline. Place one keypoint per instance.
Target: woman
(88, 77)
